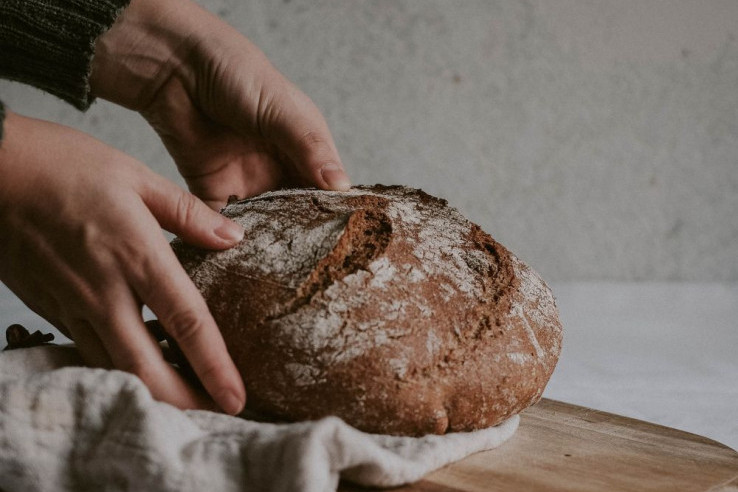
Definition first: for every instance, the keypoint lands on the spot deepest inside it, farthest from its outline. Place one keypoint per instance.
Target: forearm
(151, 43)
(140, 52)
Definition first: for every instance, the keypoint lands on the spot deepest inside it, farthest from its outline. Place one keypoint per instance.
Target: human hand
(233, 124)
(81, 238)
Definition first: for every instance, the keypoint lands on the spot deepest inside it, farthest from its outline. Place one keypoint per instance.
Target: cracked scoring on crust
(381, 305)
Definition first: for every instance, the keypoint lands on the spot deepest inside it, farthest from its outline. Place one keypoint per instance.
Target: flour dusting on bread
(381, 305)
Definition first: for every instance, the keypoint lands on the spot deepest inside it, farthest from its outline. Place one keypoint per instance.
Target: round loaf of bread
(381, 305)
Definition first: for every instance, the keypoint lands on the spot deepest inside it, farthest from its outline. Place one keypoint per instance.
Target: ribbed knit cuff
(2, 120)
(50, 43)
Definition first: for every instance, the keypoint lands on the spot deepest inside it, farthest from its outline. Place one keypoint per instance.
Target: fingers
(78, 252)
(185, 215)
(251, 169)
(166, 289)
(161, 283)
(302, 134)
(88, 343)
(131, 348)
(288, 118)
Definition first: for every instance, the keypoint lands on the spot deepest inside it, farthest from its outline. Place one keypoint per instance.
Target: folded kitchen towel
(70, 428)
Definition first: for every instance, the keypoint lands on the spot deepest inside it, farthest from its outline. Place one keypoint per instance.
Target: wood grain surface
(563, 447)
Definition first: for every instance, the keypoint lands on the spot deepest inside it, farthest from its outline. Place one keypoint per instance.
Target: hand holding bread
(233, 124)
(80, 235)
(80, 222)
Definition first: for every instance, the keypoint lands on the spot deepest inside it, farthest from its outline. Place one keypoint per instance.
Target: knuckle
(211, 372)
(184, 325)
(142, 268)
(133, 252)
(312, 138)
(186, 208)
(89, 235)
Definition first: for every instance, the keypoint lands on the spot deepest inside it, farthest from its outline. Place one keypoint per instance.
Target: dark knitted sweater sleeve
(2, 118)
(50, 43)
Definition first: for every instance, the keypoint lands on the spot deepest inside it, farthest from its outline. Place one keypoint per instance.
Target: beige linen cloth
(66, 428)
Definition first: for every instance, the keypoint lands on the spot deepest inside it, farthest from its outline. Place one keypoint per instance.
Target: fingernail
(335, 176)
(232, 404)
(230, 231)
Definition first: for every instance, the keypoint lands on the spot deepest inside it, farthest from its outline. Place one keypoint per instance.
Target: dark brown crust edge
(475, 383)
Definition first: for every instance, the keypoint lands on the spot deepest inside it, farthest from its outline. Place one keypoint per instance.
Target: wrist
(11, 159)
(145, 47)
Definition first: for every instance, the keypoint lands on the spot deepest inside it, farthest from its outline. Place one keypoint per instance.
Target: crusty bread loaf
(381, 305)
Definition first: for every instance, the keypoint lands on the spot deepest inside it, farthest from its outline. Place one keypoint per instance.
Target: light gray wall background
(595, 139)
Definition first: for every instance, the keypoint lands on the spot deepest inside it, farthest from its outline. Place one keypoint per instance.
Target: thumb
(290, 120)
(303, 135)
(183, 214)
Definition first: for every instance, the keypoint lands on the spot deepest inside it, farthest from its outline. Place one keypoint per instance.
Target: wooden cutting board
(563, 447)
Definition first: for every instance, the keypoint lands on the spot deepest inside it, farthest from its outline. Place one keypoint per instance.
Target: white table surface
(664, 353)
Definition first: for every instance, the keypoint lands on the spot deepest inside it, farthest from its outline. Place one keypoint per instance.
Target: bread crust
(381, 305)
